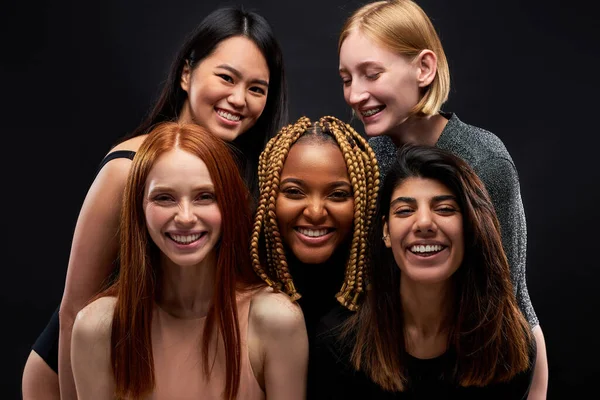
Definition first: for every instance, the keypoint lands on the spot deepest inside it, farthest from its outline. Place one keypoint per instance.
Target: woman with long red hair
(187, 316)
(228, 76)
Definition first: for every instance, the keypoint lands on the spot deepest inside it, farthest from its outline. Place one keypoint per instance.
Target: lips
(314, 237)
(429, 257)
(185, 239)
(370, 113)
(367, 112)
(188, 242)
(426, 250)
(313, 232)
(229, 116)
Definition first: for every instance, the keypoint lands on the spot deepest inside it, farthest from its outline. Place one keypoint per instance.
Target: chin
(374, 131)
(308, 257)
(429, 276)
(226, 135)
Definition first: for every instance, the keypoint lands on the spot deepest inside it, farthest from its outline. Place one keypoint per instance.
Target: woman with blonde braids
(318, 185)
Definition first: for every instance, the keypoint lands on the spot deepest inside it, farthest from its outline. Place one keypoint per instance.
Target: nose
(424, 223)
(185, 214)
(356, 94)
(237, 97)
(315, 211)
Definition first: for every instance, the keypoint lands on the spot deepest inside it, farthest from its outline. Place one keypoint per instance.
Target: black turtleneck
(318, 284)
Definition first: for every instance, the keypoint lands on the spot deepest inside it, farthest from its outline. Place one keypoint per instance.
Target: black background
(75, 76)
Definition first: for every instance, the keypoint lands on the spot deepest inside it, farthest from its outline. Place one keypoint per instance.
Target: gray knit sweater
(488, 156)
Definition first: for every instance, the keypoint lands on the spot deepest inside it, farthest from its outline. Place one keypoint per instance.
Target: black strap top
(115, 154)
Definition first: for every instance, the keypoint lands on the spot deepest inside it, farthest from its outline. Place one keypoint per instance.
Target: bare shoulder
(91, 350)
(273, 313)
(113, 175)
(120, 166)
(94, 321)
(277, 327)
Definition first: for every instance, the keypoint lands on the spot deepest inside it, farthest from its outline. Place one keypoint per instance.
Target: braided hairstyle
(363, 171)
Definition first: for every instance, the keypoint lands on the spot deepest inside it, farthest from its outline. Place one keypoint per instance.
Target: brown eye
(206, 197)
(257, 89)
(403, 212)
(446, 210)
(340, 195)
(292, 192)
(225, 77)
(162, 198)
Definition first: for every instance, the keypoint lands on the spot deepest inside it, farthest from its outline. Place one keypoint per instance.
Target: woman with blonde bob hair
(441, 320)
(402, 27)
(396, 79)
(187, 316)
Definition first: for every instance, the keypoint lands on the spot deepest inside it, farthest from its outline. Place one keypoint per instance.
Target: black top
(46, 345)
(115, 154)
(332, 377)
(318, 284)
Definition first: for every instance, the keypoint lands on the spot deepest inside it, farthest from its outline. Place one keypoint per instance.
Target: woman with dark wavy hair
(228, 76)
(187, 316)
(441, 319)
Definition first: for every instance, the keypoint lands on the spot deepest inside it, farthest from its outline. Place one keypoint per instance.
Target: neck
(186, 292)
(419, 130)
(185, 116)
(426, 310)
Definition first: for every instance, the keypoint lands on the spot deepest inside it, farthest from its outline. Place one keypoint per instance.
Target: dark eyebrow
(292, 180)
(301, 182)
(444, 197)
(239, 75)
(401, 199)
(340, 183)
(364, 64)
(411, 200)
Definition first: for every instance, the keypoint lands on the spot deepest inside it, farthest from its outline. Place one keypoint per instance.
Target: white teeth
(426, 248)
(370, 112)
(312, 232)
(228, 116)
(185, 239)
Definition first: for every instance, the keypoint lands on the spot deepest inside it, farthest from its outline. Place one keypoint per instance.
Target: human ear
(186, 73)
(386, 235)
(426, 63)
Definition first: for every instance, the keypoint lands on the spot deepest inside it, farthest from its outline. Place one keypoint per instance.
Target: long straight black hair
(221, 24)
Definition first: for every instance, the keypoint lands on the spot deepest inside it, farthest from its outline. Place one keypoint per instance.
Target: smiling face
(181, 210)
(424, 229)
(315, 205)
(227, 91)
(381, 87)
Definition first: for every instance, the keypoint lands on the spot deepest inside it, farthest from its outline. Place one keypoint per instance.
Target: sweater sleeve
(501, 180)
